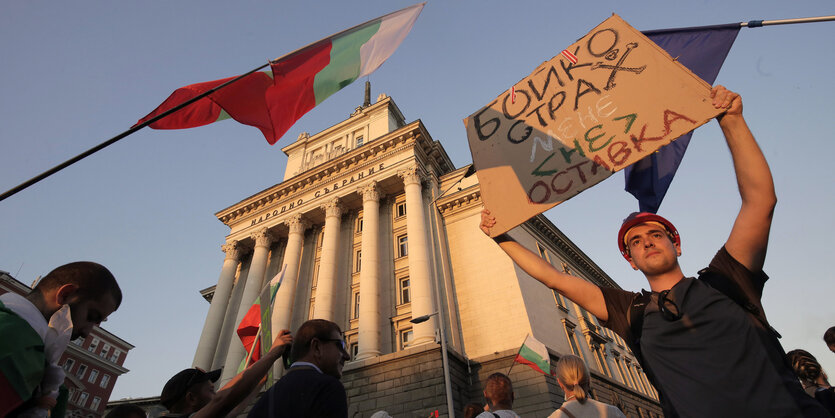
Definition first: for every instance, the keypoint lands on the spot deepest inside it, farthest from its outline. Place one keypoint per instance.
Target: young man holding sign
(705, 343)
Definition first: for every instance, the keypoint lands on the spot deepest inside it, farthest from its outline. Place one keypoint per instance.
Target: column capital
(333, 208)
(234, 250)
(370, 192)
(262, 237)
(412, 175)
(297, 224)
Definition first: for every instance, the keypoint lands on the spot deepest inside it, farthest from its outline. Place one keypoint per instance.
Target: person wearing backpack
(704, 343)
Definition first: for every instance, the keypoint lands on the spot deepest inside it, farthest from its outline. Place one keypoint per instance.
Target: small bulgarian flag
(534, 354)
(274, 100)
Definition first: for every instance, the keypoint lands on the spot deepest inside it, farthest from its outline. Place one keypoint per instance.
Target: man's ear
(65, 293)
(678, 249)
(632, 263)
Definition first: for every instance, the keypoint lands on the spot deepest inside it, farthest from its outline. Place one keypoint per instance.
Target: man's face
(87, 313)
(831, 347)
(202, 394)
(651, 249)
(332, 355)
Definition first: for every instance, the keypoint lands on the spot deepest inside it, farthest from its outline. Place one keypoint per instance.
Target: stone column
(254, 282)
(217, 310)
(420, 272)
(369, 318)
(326, 287)
(283, 308)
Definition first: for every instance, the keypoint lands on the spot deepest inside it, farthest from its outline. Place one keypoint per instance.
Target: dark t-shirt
(717, 360)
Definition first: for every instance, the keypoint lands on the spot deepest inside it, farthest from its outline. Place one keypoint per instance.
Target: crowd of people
(704, 341)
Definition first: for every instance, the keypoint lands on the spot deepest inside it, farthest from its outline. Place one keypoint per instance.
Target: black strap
(568, 414)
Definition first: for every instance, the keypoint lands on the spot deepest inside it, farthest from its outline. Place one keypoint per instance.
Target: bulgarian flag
(255, 326)
(535, 355)
(273, 101)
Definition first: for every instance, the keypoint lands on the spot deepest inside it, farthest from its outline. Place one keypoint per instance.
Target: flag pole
(252, 349)
(113, 140)
(137, 127)
(758, 23)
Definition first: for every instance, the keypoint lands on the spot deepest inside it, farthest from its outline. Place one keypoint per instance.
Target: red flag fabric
(273, 101)
(247, 331)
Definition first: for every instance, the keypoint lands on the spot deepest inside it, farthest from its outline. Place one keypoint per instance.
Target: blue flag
(702, 50)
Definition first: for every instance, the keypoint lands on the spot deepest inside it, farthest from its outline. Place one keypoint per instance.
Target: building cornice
(542, 227)
(93, 359)
(413, 135)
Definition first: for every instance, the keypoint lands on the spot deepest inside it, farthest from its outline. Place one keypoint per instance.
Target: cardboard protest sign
(605, 102)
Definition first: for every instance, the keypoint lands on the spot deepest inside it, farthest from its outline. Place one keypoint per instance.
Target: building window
(572, 341)
(405, 290)
(359, 261)
(115, 356)
(560, 300)
(542, 253)
(405, 338)
(82, 399)
(93, 375)
(601, 361)
(95, 404)
(400, 210)
(105, 379)
(402, 245)
(354, 348)
(359, 225)
(93, 345)
(356, 313)
(81, 370)
(68, 364)
(359, 140)
(620, 369)
(104, 350)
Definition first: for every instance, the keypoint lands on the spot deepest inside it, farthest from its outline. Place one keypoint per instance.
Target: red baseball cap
(637, 218)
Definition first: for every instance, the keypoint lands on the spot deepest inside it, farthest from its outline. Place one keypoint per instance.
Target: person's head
(126, 411)
(321, 342)
(189, 390)
(473, 409)
(649, 243)
(573, 377)
(829, 338)
(88, 288)
(807, 368)
(498, 391)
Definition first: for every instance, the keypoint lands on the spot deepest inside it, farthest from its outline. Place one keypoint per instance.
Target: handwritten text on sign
(604, 103)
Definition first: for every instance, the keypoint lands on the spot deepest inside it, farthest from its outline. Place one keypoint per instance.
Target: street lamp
(447, 383)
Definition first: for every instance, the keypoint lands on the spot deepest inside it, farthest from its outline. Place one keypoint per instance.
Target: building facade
(92, 364)
(375, 228)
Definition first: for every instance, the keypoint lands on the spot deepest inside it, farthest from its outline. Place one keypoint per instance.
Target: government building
(377, 231)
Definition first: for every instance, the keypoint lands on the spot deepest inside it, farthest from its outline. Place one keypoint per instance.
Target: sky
(75, 74)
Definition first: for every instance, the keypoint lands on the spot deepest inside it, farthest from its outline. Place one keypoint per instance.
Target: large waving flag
(273, 101)
(703, 50)
(255, 326)
(534, 354)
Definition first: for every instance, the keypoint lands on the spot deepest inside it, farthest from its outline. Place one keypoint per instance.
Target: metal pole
(110, 141)
(758, 23)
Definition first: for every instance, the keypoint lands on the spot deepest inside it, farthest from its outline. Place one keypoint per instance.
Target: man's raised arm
(578, 290)
(748, 240)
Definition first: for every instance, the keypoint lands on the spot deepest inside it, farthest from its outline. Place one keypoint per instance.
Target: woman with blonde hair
(573, 377)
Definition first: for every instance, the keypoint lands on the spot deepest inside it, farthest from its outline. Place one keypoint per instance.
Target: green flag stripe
(530, 355)
(345, 62)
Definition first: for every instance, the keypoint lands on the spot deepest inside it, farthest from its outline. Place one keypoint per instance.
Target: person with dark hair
(127, 411)
(498, 392)
(311, 386)
(471, 410)
(66, 304)
(573, 378)
(191, 392)
(705, 343)
(829, 338)
(813, 378)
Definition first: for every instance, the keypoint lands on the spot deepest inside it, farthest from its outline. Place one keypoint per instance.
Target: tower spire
(367, 101)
